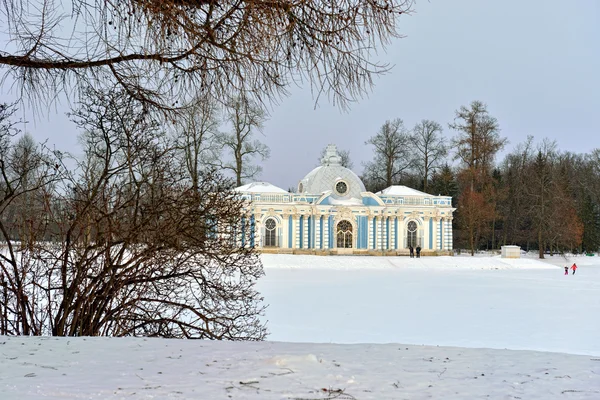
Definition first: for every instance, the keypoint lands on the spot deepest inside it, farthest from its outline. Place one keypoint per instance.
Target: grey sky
(535, 63)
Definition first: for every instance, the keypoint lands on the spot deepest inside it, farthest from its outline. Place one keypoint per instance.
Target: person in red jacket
(574, 268)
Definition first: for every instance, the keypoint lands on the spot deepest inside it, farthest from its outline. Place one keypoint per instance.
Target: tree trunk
(540, 243)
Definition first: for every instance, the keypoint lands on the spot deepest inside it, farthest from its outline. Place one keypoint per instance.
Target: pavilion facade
(332, 213)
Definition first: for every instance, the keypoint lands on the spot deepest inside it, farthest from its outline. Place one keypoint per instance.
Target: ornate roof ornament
(331, 156)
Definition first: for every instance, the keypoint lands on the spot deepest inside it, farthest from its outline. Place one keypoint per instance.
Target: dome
(333, 177)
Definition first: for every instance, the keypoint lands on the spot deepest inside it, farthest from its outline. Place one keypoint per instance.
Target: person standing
(412, 251)
(566, 270)
(574, 268)
(419, 252)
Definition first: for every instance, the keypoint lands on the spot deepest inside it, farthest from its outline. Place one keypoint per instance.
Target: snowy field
(462, 301)
(373, 327)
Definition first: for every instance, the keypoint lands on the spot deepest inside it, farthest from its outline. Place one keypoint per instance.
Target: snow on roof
(400, 190)
(260, 187)
(345, 202)
(324, 178)
(312, 174)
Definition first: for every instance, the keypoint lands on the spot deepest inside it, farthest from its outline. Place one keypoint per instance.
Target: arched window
(344, 235)
(411, 234)
(270, 233)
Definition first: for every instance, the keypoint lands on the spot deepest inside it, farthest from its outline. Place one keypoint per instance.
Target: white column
(434, 236)
(370, 231)
(448, 236)
(377, 233)
(425, 244)
(296, 231)
(393, 233)
(442, 234)
(284, 231)
(388, 233)
(384, 235)
(258, 233)
(317, 232)
(325, 231)
(305, 232)
(401, 233)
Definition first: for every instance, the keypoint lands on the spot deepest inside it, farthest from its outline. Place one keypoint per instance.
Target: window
(341, 188)
(344, 235)
(270, 233)
(411, 234)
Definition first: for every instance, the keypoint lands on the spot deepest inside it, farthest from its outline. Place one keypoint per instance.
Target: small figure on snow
(574, 268)
(566, 270)
(419, 252)
(412, 251)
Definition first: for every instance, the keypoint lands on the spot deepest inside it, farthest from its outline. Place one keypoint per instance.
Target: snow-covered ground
(94, 368)
(381, 312)
(462, 301)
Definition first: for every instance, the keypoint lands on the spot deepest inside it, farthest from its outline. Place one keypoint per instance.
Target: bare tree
(584, 179)
(344, 156)
(245, 117)
(195, 137)
(477, 142)
(26, 172)
(137, 250)
(474, 215)
(391, 153)
(476, 145)
(429, 149)
(550, 207)
(163, 52)
(515, 170)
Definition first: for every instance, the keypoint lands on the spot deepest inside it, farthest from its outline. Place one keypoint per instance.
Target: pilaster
(378, 232)
(401, 233)
(258, 232)
(285, 229)
(305, 232)
(317, 224)
(448, 236)
(296, 230)
(436, 236)
(393, 233)
(326, 231)
(370, 231)
(384, 233)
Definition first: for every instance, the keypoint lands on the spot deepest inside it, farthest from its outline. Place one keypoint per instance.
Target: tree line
(537, 197)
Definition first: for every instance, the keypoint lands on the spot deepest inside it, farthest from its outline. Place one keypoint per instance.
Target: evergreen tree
(443, 182)
(590, 216)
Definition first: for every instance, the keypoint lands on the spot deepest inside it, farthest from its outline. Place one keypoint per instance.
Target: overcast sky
(535, 63)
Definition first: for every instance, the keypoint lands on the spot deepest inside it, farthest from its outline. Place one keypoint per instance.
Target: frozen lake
(456, 301)
(446, 301)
